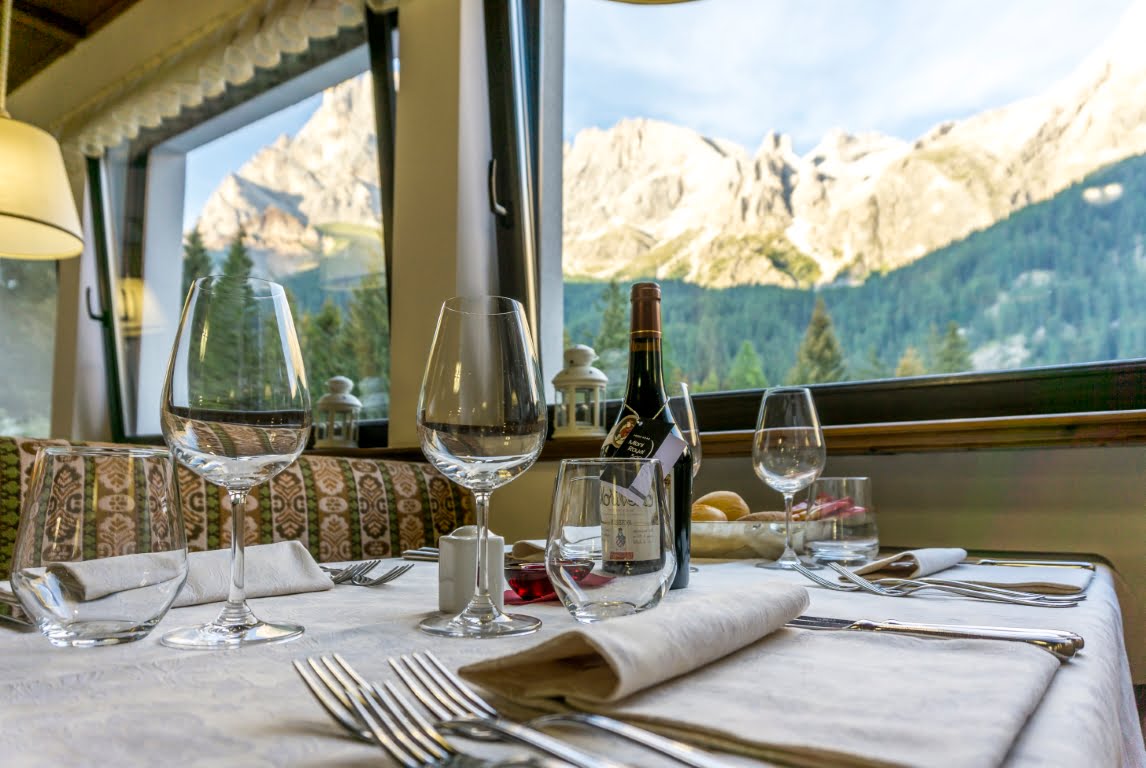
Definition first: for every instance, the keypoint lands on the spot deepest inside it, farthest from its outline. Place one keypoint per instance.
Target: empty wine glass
(788, 454)
(683, 413)
(236, 410)
(482, 422)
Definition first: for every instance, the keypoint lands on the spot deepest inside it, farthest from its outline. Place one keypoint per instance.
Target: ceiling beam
(49, 22)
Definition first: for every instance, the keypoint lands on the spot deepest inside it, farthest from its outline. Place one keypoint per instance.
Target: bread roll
(730, 503)
(706, 514)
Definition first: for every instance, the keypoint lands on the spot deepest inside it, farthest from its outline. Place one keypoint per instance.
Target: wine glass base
(785, 564)
(221, 637)
(499, 625)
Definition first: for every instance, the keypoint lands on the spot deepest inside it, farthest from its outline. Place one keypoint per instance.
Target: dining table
(145, 704)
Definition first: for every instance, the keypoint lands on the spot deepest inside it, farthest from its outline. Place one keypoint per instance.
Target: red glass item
(529, 581)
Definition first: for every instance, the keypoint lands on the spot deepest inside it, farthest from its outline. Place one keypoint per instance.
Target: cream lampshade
(38, 217)
(37, 211)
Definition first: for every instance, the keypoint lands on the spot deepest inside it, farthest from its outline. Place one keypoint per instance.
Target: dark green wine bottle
(645, 401)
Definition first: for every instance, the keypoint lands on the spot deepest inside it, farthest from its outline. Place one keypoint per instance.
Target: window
(27, 338)
(279, 180)
(926, 210)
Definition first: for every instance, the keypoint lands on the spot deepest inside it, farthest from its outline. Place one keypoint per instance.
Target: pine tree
(874, 368)
(366, 342)
(911, 364)
(196, 259)
(952, 353)
(746, 371)
(228, 329)
(819, 359)
(614, 331)
(323, 346)
(238, 262)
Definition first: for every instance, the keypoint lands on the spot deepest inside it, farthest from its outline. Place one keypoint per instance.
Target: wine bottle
(645, 408)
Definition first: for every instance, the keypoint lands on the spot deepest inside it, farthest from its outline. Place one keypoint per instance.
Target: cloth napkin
(713, 667)
(282, 568)
(948, 563)
(529, 550)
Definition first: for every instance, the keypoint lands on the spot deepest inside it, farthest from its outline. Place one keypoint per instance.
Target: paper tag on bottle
(647, 439)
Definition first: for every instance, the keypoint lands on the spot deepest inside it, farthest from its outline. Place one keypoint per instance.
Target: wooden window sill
(1073, 430)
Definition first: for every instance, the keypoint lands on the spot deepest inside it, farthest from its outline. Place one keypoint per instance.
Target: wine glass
(236, 410)
(680, 403)
(481, 422)
(788, 454)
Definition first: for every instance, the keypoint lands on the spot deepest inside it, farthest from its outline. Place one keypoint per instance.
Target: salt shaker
(456, 575)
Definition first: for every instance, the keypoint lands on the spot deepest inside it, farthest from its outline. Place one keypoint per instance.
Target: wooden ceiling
(44, 30)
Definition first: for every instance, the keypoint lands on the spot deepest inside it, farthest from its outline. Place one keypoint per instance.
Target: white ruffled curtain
(226, 53)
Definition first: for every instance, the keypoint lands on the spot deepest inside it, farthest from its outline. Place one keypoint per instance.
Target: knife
(426, 554)
(1060, 643)
(1036, 563)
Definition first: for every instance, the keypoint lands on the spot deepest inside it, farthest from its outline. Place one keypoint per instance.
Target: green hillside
(1063, 281)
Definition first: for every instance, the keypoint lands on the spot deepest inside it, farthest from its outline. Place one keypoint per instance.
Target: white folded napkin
(282, 568)
(948, 563)
(916, 563)
(706, 663)
(608, 661)
(529, 550)
(92, 579)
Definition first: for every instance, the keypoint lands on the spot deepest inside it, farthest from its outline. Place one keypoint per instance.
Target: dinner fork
(446, 696)
(343, 575)
(337, 687)
(390, 575)
(907, 587)
(384, 716)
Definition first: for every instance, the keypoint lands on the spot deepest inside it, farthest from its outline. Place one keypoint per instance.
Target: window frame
(125, 253)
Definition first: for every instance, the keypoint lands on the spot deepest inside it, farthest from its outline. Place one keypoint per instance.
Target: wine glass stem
(235, 610)
(481, 589)
(788, 524)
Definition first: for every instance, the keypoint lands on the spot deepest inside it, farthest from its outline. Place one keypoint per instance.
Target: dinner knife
(1062, 645)
(424, 554)
(1036, 563)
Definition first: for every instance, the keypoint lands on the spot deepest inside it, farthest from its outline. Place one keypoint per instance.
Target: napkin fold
(282, 568)
(948, 563)
(529, 550)
(914, 563)
(607, 661)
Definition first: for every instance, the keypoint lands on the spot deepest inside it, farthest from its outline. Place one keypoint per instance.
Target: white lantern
(580, 389)
(336, 415)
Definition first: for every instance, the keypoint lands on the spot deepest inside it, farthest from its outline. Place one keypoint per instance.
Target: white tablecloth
(143, 704)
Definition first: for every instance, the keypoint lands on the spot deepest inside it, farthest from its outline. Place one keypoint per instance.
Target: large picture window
(857, 193)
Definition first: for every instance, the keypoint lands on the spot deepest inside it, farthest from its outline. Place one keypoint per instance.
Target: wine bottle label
(629, 530)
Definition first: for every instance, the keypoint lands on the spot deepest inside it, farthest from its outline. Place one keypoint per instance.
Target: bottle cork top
(646, 301)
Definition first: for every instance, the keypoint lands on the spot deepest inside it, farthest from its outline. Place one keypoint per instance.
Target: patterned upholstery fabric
(338, 508)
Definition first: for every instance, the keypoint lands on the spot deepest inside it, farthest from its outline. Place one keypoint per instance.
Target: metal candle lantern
(580, 390)
(336, 415)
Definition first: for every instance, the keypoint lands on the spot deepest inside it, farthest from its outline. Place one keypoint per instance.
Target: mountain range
(646, 198)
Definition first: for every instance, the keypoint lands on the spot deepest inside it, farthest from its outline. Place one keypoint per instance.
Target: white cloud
(739, 68)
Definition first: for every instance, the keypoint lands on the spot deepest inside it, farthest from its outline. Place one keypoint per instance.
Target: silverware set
(385, 716)
(358, 574)
(897, 587)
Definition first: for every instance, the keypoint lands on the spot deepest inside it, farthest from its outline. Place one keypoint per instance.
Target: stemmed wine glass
(236, 411)
(680, 403)
(481, 422)
(788, 454)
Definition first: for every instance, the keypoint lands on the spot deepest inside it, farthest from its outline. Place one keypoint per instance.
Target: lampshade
(38, 217)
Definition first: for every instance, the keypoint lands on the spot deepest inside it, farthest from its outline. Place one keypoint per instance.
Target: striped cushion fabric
(338, 508)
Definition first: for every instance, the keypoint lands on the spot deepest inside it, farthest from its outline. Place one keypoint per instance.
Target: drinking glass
(100, 552)
(683, 413)
(841, 521)
(610, 548)
(481, 422)
(236, 410)
(788, 453)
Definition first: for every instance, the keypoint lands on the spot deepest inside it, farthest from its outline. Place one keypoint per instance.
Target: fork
(345, 694)
(446, 696)
(907, 587)
(390, 575)
(343, 575)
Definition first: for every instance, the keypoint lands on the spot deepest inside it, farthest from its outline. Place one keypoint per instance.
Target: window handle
(494, 205)
(99, 318)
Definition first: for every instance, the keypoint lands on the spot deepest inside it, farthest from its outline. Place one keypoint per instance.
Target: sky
(738, 69)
